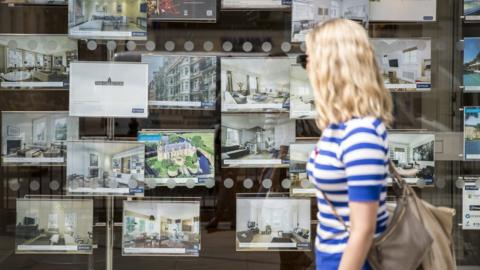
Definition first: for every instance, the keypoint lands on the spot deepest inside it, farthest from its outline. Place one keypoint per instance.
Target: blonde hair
(344, 74)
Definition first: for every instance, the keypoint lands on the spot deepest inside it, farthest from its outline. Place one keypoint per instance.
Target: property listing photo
(301, 186)
(54, 226)
(36, 61)
(306, 14)
(182, 10)
(255, 84)
(302, 105)
(36, 138)
(162, 228)
(472, 133)
(471, 9)
(406, 64)
(403, 11)
(181, 81)
(256, 141)
(471, 64)
(273, 224)
(107, 19)
(254, 4)
(105, 168)
(414, 156)
(34, 2)
(179, 155)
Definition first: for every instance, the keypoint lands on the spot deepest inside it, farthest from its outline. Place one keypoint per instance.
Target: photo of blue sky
(472, 48)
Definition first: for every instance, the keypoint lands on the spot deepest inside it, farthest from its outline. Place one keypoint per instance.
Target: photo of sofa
(161, 227)
(36, 137)
(406, 64)
(413, 156)
(255, 84)
(36, 61)
(103, 168)
(54, 226)
(107, 19)
(256, 140)
(269, 224)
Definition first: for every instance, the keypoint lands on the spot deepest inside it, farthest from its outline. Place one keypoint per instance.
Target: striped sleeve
(365, 157)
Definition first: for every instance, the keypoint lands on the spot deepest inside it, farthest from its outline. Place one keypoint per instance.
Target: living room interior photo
(93, 16)
(404, 61)
(255, 81)
(35, 58)
(39, 136)
(44, 223)
(271, 223)
(413, 156)
(301, 94)
(161, 225)
(260, 137)
(102, 167)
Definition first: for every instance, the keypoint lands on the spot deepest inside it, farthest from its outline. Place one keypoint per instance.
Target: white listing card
(471, 207)
(403, 10)
(109, 90)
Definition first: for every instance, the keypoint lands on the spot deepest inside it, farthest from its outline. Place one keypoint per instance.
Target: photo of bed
(182, 10)
(472, 133)
(255, 84)
(162, 228)
(36, 61)
(256, 140)
(254, 4)
(471, 64)
(105, 168)
(471, 9)
(54, 226)
(179, 155)
(302, 105)
(301, 186)
(406, 64)
(181, 81)
(107, 19)
(403, 11)
(273, 224)
(414, 156)
(306, 14)
(36, 138)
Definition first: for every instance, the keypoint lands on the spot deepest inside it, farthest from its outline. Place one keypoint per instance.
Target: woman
(349, 163)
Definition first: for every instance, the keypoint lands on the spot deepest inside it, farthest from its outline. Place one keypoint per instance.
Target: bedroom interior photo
(45, 223)
(413, 156)
(128, 17)
(404, 61)
(103, 167)
(255, 81)
(161, 225)
(273, 223)
(36, 58)
(256, 138)
(36, 136)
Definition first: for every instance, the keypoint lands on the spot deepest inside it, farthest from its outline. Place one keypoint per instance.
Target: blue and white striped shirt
(349, 163)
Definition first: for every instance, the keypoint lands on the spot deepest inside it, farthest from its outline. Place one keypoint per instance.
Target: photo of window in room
(414, 156)
(256, 141)
(306, 14)
(36, 137)
(299, 155)
(255, 4)
(107, 19)
(255, 84)
(182, 10)
(182, 156)
(161, 228)
(181, 81)
(471, 9)
(105, 168)
(273, 224)
(54, 226)
(36, 61)
(403, 11)
(406, 64)
(302, 105)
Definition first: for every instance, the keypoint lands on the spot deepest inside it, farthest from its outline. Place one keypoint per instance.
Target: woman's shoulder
(365, 124)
